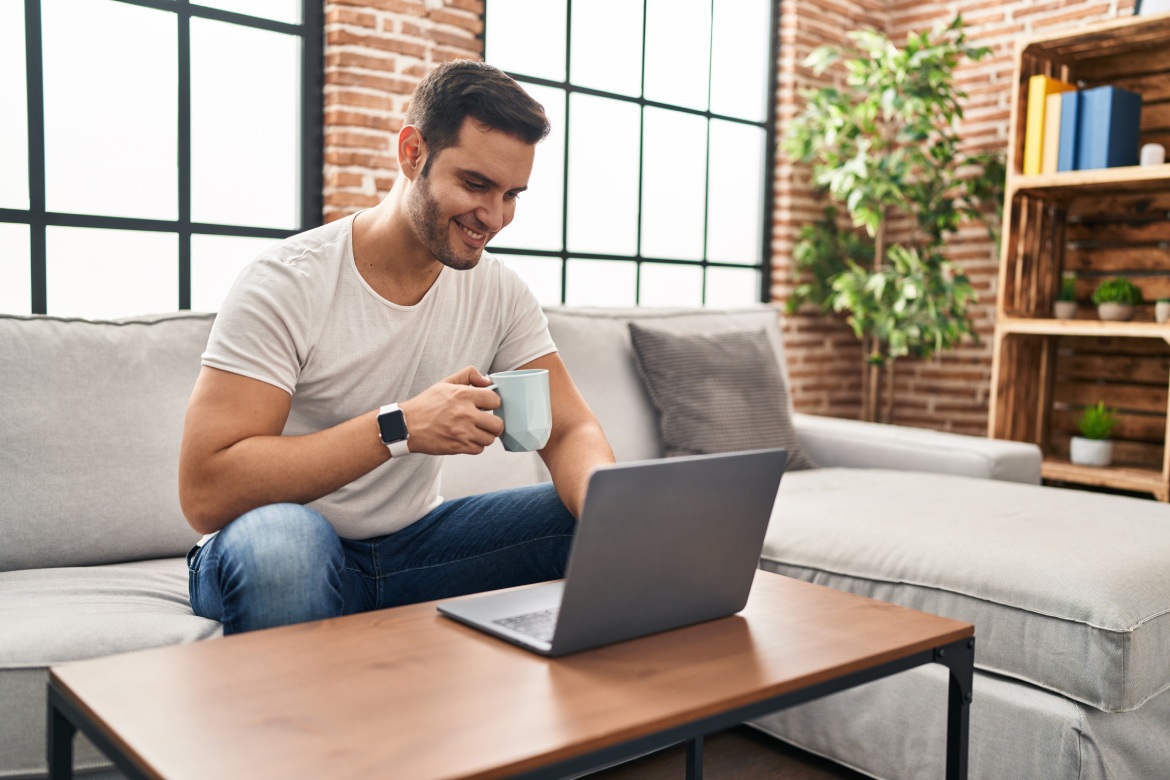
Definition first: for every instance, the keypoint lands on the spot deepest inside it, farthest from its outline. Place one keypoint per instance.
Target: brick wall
(376, 51)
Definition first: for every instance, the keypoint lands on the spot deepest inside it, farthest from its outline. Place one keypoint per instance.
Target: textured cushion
(1067, 590)
(51, 616)
(91, 416)
(716, 392)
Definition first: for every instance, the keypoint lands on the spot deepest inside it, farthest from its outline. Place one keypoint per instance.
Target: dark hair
(468, 88)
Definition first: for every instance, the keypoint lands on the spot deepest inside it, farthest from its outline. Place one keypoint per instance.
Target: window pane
(111, 107)
(603, 175)
(607, 46)
(245, 163)
(739, 66)
(216, 261)
(678, 43)
(539, 211)
(277, 10)
(111, 273)
(670, 285)
(731, 287)
(541, 274)
(15, 276)
(674, 162)
(14, 117)
(527, 36)
(600, 283)
(735, 193)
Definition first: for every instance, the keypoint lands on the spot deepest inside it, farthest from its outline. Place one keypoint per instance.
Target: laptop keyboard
(539, 625)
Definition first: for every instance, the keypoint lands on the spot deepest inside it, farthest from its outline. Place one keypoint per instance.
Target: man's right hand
(453, 416)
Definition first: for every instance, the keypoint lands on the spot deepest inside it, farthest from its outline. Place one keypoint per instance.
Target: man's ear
(412, 151)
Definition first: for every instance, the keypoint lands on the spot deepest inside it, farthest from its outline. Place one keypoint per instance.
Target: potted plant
(1094, 447)
(1065, 307)
(884, 147)
(1162, 309)
(1116, 298)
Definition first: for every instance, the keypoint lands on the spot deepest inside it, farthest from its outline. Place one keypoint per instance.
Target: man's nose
(492, 213)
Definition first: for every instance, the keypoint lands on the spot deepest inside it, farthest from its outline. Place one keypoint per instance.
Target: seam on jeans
(473, 557)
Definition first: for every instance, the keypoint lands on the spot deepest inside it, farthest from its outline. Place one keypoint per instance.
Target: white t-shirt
(300, 317)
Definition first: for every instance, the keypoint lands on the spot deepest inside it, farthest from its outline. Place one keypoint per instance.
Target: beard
(435, 232)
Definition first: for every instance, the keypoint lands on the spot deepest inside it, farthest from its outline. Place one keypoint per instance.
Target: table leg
(60, 742)
(695, 758)
(959, 658)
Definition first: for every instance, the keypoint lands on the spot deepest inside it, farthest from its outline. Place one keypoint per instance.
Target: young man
(347, 357)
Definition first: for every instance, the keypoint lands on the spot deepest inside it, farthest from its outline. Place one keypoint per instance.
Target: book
(1051, 146)
(1070, 110)
(1039, 88)
(1108, 128)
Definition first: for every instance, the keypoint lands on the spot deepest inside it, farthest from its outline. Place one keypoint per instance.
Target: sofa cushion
(70, 614)
(1067, 590)
(716, 392)
(91, 415)
(595, 345)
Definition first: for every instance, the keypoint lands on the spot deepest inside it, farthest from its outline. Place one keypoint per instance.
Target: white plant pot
(1091, 452)
(1116, 312)
(1162, 311)
(1065, 310)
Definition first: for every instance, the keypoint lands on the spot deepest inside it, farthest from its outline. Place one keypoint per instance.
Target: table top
(408, 693)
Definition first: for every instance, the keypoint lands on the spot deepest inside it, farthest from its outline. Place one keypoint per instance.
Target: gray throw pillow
(716, 392)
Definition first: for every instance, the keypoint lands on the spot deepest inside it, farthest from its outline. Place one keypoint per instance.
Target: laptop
(660, 544)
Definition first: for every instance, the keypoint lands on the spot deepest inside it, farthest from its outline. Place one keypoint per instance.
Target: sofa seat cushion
(1067, 590)
(52, 616)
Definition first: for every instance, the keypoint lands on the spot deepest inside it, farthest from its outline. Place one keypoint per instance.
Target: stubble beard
(434, 231)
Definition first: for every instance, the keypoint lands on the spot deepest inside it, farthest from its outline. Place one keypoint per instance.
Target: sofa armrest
(832, 441)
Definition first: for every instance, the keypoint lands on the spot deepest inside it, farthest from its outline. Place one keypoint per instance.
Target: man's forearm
(571, 458)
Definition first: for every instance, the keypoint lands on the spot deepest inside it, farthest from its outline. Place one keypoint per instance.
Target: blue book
(1109, 128)
(1070, 107)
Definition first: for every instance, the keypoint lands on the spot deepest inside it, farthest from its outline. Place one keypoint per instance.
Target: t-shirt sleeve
(525, 328)
(261, 329)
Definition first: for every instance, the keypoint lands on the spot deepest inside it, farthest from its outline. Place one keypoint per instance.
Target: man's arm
(234, 459)
(577, 445)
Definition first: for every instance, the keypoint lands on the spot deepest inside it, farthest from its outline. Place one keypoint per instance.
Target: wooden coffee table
(406, 693)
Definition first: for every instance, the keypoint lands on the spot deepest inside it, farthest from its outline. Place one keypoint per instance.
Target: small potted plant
(1162, 309)
(1116, 298)
(1065, 307)
(1094, 447)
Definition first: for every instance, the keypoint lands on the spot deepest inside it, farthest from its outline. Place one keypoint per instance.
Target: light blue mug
(525, 408)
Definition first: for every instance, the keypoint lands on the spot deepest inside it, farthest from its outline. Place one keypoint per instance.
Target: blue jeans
(284, 563)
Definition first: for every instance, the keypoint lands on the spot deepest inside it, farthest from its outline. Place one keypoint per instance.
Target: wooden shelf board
(1121, 477)
(1131, 178)
(1053, 327)
(1103, 39)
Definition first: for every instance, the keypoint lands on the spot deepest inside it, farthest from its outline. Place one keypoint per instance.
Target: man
(347, 357)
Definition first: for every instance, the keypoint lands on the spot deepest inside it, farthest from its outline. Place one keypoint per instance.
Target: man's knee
(281, 534)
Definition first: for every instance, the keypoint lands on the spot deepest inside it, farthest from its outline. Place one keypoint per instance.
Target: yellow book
(1051, 147)
(1039, 88)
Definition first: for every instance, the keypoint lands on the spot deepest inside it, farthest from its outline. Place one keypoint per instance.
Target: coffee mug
(525, 408)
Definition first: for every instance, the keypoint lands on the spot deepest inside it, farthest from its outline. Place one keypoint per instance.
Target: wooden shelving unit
(1097, 224)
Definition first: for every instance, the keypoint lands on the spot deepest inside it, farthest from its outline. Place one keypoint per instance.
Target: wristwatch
(392, 424)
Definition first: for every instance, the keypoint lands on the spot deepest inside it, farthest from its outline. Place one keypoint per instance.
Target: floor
(741, 753)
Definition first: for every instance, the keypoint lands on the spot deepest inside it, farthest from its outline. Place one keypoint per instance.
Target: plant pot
(1162, 311)
(1065, 310)
(1091, 452)
(1115, 312)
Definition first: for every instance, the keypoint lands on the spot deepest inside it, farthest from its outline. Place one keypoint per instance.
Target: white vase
(1162, 311)
(1091, 452)
(1065, 310)
(1116, 312)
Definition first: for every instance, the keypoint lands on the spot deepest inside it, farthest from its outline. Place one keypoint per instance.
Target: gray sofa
(1069, 591)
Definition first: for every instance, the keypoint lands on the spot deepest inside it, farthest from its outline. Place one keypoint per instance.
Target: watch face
(393, 426)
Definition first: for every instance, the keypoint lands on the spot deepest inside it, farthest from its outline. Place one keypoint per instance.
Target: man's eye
(512, 196)
(475, 186)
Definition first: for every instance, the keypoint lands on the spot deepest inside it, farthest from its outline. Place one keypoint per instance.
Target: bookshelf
(1097, 224)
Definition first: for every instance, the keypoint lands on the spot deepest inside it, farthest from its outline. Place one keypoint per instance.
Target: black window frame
(311, 208)
(768, 125)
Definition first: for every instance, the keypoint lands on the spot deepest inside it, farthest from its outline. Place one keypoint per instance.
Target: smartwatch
(392, 424)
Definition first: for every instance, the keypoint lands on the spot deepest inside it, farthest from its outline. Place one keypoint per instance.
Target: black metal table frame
(959, 657)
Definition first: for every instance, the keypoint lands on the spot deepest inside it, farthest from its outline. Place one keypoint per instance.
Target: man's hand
(453, 416)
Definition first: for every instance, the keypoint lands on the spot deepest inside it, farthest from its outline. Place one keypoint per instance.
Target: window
(652, 188)
(152, 148)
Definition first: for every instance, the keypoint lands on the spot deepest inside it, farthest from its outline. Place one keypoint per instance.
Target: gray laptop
(660, 544)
